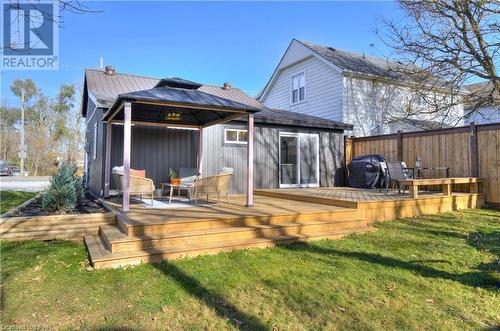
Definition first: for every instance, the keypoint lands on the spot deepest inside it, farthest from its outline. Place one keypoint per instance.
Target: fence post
(399, 145)
(348, 155)
(474, 163)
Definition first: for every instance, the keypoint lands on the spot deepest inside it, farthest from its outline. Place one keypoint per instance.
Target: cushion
(138, 173)
(118, 170)
(133, 172)
(226, 171)
(188, 175)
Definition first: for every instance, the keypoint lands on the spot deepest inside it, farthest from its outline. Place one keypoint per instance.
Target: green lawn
(11, 199)
(437, 272)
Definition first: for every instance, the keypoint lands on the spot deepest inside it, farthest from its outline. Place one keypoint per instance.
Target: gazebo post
(127, 131)
(200, 151)
(107, 168)
(250, 161)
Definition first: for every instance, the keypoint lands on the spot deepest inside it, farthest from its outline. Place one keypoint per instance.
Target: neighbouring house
(343, 86)
(290, 149)
(489, 110)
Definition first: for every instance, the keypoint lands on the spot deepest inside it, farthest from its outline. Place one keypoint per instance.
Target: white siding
(371, 107)
(485, 115)
(323, 90)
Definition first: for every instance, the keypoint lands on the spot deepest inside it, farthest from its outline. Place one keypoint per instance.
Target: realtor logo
(30, 39)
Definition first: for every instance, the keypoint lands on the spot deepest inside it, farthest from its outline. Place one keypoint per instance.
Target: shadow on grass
(474, 279)
(218, 303)
(487, 241)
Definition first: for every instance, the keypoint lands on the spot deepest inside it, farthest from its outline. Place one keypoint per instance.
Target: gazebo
(173, 103)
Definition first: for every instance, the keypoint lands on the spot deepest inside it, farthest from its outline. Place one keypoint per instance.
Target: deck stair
(129, 242)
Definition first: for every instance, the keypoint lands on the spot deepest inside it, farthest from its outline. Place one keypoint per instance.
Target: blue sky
(239, 42)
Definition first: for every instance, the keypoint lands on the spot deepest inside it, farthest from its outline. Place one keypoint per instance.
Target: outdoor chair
(395, 171)
(218, 185)
(188, 178)
(137, 185)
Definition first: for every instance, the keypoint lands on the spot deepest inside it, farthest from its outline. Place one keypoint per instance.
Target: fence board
(441, 148)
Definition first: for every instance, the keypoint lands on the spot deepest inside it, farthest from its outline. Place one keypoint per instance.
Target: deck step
(169, 226)
(101, 257)
(117, 241)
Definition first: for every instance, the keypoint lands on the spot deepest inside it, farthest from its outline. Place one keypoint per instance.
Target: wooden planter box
(71, 226)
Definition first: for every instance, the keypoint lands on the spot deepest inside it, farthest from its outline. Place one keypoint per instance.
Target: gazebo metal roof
(191, 106)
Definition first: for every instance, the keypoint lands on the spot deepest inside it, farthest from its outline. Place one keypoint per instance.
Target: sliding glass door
(299, 160)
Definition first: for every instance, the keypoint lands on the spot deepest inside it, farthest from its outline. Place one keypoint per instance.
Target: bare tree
(448, 44)
(52, 129)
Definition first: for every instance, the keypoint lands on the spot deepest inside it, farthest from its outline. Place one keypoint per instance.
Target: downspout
(347, 95)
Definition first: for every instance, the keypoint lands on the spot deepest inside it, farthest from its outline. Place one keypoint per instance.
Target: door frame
(298, 135)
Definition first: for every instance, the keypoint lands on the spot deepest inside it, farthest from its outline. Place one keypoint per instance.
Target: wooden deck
(278, 216)
(375, 206)
(148, 235)
(263, 207)
(345, 194)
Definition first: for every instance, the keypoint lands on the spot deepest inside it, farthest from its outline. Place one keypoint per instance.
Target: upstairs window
(234, 136)
(298, 88)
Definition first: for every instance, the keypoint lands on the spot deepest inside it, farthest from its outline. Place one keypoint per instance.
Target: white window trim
(298, 135)
(291, 88)
(94, 146)
(237, 136)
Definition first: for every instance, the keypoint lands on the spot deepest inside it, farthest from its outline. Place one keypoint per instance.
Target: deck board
(263, 206)
(352, 194)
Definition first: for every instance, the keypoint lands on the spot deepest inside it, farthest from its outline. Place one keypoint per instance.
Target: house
(489, 109)
(343, 86)
(171, 119)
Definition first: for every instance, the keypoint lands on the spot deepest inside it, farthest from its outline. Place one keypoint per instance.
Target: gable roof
(344, 62)
(104, 90)
(358, 63)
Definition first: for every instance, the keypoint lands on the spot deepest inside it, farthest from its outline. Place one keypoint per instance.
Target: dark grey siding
(266, 163)
(95, 177)
(156, 149)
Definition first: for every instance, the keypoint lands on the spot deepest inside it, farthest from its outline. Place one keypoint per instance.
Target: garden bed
(89, 205)
(30, 221)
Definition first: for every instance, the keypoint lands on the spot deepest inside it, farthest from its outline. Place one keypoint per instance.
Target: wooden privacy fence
(469, 151)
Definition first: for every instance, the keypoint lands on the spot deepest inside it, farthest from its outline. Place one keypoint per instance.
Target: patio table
(445, 183)
(172, 187)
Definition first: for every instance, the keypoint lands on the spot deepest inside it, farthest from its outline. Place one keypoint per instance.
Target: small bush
(65, 191)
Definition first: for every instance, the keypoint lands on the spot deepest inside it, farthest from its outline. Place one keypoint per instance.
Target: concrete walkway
(26, 184)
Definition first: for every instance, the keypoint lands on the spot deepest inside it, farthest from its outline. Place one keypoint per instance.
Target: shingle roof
(359, 63)
(106, 89)
(484, 94)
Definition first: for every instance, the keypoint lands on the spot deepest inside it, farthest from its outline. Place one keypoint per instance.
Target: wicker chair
(218, 185)
(137, 185)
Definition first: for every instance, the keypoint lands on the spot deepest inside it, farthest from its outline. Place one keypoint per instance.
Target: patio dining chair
(394, 171)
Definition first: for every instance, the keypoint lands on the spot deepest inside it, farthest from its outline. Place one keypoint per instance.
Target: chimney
(227, 86)
(109, 70)
(101, 63)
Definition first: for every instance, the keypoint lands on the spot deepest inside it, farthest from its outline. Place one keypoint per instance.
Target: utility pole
(22, 152)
